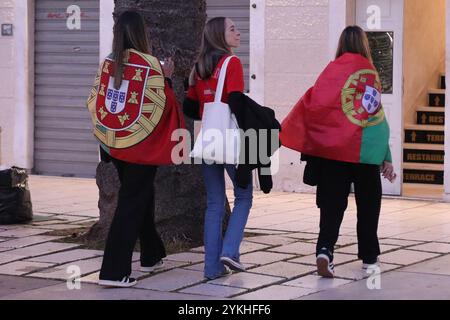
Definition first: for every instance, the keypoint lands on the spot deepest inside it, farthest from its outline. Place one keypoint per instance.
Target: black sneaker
(325, 266)
(126, 282)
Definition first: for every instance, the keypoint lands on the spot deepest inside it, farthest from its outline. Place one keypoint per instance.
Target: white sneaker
(126, 282)
(232, 264)
(325, 268)
(366, 265)
(156, 266)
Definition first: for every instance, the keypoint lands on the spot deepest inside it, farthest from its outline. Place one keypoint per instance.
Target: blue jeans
(215, 246)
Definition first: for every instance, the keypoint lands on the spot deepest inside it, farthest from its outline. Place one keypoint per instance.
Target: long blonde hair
(354, 40)
(213, 47)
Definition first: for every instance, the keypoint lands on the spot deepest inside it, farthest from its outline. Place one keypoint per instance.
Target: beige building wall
(7, 88)
(423, 53)
(296, 51)
(447, 114)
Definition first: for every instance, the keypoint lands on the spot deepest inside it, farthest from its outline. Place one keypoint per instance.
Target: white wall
(16, 85)
(106, 27)
(447, 113)
(296, 51)
(7, 87)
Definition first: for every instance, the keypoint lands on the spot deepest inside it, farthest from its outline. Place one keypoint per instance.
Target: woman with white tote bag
(220, 38)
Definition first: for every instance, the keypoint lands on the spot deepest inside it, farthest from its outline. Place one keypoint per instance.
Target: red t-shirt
(204, 90)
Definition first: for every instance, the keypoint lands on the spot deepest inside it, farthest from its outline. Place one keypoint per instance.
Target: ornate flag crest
(127, 115)
(361, 98)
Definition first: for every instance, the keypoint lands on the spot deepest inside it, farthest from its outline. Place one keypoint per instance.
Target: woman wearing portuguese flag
(134, 112)
(340, 128)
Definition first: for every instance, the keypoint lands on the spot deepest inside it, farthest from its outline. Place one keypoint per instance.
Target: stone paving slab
(439, 266)
(10, 285)
(21, 232)
(433, 247)
(271, 240)
(302, 236)
(339, 258)
(18, 268)
(6, 258)
(61, 272)
(171, 280)
(406, 257)
(317, 283)
(284, 269)
(298, 248)
(276, 292)
(27, 241)
(264, 231)
(47, 223)
(213, 290)
(394, 286)
(264, 257)
(168, 265)
(189, 257)
(94, 292)
(43, 248)
(48, 227)
(68, 256)
(353, 249)
(246, 280)
(250, 247)
(354, 271)
(399, 242)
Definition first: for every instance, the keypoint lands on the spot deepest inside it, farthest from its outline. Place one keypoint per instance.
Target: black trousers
(134, 217)
(334, 182)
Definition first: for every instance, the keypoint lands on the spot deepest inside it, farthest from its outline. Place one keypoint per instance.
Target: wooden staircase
(423, 148)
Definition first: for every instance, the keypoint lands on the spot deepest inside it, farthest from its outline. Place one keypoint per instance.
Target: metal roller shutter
(65, 65)
(239, 12)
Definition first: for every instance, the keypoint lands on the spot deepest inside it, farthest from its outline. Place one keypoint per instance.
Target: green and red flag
(341, 117)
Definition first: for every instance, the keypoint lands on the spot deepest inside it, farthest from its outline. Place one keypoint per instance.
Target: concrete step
(436, 97)
(430, 115)
(423, 156)
(423, 173)
(423, 146)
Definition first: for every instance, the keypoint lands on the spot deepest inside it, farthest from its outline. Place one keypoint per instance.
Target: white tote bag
(219, 139)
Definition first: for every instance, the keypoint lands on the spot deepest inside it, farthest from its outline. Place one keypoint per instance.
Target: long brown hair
(213, 47)
(354, 40)
(129, 33)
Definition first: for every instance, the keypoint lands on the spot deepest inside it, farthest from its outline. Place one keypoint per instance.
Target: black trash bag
(15, 197)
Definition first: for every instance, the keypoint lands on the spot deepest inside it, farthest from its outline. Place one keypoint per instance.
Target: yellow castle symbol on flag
(138, 76)
(106, 67)
(124, 118)
(133, 98)
(103, 113)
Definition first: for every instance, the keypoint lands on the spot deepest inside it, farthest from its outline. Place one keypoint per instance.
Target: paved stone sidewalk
(278, 251)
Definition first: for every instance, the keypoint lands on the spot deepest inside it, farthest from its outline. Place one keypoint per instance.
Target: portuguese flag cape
(135, 122)
(341, 117)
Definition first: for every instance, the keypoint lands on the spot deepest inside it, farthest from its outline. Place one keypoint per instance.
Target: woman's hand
(387, 170)
(168, 67)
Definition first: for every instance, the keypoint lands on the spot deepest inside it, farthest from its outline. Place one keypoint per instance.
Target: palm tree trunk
(175, 28)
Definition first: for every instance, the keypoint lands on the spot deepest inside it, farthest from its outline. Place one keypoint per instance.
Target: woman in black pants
(134, 112)
(340, 128)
